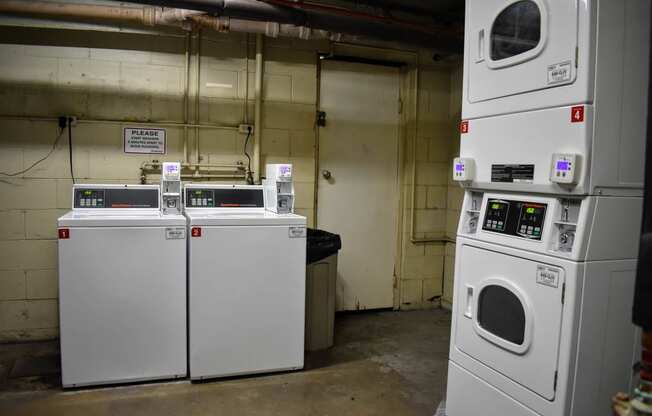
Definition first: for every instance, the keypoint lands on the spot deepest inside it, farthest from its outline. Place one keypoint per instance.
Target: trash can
(321, 274)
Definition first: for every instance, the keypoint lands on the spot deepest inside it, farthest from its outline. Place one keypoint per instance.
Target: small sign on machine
(144, 140)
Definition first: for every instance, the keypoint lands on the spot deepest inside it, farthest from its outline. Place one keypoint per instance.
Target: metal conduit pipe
(186, 95)
(219, 171)
(258, 108)
(215, 166)
(197, 95)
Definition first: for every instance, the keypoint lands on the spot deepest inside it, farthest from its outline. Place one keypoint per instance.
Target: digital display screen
(563, 165)
(518, 218)
(88, 193)
(459, 168)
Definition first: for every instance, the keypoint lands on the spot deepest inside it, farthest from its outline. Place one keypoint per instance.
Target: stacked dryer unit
(552, 161)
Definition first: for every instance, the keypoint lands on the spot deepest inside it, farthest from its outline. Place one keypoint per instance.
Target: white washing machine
(122, 287)
(542, 315)
(246, 277)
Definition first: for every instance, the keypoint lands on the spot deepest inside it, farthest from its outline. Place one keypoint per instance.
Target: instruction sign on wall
(141, 140)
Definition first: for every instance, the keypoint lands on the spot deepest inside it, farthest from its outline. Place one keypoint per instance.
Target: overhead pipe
(419, 8)
(324, 18)
(148, 16)
(307, 6)
(187, 19)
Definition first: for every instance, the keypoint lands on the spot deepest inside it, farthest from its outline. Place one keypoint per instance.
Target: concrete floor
(383, 363)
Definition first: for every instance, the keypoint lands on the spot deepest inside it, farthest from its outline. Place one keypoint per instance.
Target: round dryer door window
(516, 30)
(501, 313)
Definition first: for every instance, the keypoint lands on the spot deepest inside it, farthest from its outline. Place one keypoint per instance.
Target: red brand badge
(195, 231)
(64, 233)
(464, 127)
(577, 114)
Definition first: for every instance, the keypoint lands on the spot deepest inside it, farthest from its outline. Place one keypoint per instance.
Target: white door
(509, 312)
(518, 46)
(358, 178)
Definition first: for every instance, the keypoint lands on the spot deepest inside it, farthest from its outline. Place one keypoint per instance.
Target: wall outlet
(246, 128)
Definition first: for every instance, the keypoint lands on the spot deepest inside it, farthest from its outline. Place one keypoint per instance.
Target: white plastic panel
(122, 300)
(608, 342)
(622, 72)
(469, 395)
(529, 138)
(247, 300)
(615, 229)
(532, 364)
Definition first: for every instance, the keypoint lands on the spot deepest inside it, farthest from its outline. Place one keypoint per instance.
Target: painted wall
(455, 191)
(422, 263)
(125, 79)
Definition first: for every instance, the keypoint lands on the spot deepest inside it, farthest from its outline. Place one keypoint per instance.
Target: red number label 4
(577, 114)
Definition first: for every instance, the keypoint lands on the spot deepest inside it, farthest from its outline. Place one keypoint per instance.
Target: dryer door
(518, 46)
(509, 312)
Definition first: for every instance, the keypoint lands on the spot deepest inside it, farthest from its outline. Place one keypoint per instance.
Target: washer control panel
(225, 197)
(115, 198)
(89, 198)
(517, 218)
(200, 198)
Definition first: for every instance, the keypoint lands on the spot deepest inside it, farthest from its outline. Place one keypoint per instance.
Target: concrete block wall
(122, 79)
(454, 191)
(126, 80)
(421, 271)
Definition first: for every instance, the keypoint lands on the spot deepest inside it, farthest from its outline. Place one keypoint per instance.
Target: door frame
(407, 62)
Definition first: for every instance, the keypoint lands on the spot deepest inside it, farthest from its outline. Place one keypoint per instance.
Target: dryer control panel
(518, 218)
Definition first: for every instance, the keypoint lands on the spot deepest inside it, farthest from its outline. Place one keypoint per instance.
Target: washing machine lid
(120, 219)
(219, 217)
(509, 313)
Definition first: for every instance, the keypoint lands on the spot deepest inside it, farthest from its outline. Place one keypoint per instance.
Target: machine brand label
(547, 276)
(175, 233)
(297, 232)
(512, 173)
(139, 140)
(558, 73)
